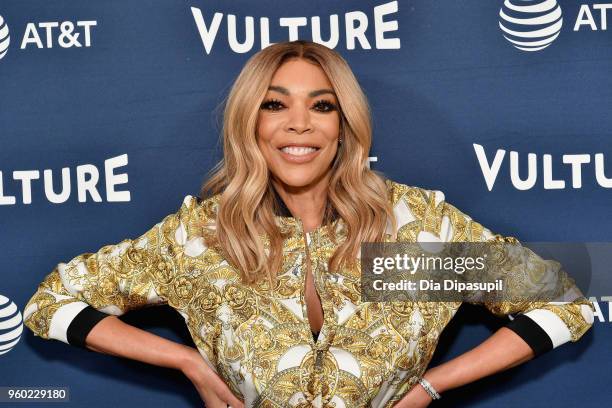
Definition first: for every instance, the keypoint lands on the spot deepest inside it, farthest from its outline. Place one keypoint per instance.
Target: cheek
(330, 127)
(264, 136)
(263, 132)
(266, 126)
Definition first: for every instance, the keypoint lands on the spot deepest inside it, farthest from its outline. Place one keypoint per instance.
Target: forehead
(300, 75)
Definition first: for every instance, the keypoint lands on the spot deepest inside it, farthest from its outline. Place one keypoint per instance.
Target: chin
(297, 181)
(297, 178)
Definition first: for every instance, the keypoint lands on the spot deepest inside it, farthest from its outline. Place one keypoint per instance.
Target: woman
(263, 266)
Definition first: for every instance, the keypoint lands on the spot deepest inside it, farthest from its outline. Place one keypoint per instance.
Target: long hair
(246, 205)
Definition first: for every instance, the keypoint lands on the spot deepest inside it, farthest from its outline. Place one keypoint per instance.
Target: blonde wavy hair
(246, 207)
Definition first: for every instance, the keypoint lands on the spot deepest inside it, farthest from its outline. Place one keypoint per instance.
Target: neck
(305, 202)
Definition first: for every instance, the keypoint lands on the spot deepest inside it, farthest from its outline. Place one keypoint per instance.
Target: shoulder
(424, 214)
(193, 223)
(412, 195)
(197, 209)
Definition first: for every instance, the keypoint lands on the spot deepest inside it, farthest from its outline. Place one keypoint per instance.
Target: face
(299, 124)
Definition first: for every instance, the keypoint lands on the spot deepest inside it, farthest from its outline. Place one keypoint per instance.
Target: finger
(232, 401)
(217, 403)
(226, 395)
(222, 391)
(211, 400)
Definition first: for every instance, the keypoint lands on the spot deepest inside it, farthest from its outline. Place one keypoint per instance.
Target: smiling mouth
(298, 150)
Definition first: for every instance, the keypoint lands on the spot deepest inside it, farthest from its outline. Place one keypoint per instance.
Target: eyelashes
(321, 105)
(271, 104)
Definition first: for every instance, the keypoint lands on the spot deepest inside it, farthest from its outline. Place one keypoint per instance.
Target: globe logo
(5, 39)
(530, 25)
(11, 325)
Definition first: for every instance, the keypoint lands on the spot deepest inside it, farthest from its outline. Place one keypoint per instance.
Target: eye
(325, 106)
(272, 105)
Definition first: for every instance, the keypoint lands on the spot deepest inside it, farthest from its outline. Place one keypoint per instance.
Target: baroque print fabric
(368, 354)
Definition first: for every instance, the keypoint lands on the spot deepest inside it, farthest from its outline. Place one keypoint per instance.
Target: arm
(132, 274)
(535, 326)
(79, 301)
(503, 350)
(113, 336)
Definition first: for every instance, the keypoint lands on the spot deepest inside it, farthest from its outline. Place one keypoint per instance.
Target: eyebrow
(311, 94)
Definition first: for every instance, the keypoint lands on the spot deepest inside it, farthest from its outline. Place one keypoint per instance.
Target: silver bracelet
(429, 388)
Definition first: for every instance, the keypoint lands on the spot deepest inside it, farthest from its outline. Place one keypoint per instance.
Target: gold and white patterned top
(368, 354)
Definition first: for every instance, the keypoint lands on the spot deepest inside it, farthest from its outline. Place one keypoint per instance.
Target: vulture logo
(11, 325)
(5, 39)
(530, 25)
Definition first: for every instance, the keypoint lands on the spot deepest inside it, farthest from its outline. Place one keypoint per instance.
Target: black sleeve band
(532, 333)
(82, 324)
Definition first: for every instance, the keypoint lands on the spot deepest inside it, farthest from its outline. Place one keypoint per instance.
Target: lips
(299, 145)
(299, 153)
(299, 150)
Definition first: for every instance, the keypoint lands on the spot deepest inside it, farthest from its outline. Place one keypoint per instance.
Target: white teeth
(298, 151)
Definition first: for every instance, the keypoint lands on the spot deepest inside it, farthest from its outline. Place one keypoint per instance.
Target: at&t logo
(49, 34)
(5, 38)
(11, 325)
(530, 25)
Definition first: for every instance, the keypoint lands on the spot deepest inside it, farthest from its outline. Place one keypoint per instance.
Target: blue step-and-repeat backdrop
(118, 104)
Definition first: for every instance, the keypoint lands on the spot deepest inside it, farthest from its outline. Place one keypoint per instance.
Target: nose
(299, 119)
